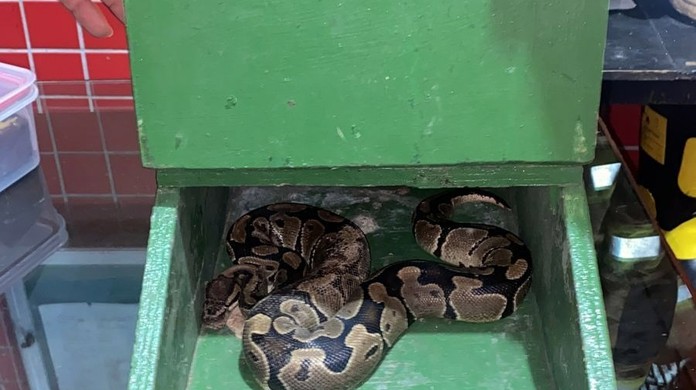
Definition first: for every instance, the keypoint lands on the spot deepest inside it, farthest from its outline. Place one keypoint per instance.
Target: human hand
(91, 18)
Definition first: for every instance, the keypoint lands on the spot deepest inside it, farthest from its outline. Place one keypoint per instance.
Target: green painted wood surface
(558, 229)
(432, 355)
(334, 83)
(184, 232)
(502, 175)
(557, 340)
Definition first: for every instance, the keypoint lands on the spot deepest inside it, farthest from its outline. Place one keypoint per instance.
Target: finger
(116, 6)
(90, 18)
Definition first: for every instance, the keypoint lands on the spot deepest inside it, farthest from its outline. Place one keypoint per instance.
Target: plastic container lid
(30, 228)
(17, 89)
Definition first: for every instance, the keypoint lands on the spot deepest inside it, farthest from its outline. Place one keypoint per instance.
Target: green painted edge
(155, 292)
(506, 175)
(594, 333)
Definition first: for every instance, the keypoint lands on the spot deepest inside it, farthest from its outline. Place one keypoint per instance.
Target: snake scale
(314, 318)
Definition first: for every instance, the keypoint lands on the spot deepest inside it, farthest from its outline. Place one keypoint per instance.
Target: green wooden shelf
(415, 176)
(558, 339)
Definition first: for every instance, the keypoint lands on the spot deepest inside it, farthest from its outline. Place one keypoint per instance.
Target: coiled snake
(313, 319)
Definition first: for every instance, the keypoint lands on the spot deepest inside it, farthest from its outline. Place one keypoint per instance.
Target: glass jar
(639, 287)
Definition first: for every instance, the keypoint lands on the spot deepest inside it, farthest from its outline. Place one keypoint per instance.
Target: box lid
(17, 89)
(331, 84)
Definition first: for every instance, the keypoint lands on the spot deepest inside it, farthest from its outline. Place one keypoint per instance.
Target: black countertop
(650, 42)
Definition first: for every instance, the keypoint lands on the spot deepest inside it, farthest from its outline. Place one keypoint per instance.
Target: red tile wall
(87, 135)
(11, 31)
(85, 119)
(50, 26)
(43, 36)
(92, 154)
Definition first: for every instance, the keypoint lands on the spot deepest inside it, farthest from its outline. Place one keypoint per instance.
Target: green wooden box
(557, 340)
(333, 83)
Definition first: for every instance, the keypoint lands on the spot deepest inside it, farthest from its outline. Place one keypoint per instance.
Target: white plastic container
(30, 228)
(19, 151)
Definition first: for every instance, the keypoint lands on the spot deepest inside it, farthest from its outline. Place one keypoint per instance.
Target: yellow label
(647, 197)
(681, 240)
(653, 134)
(687, 171)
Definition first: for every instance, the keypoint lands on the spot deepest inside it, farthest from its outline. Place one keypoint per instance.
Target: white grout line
(107, 159)
(63, 51)
(85, 69)
(27, 38)
(39, 106)
(59, 169)
(28, 50)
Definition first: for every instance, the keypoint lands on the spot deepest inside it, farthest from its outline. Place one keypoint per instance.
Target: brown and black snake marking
(314, 320)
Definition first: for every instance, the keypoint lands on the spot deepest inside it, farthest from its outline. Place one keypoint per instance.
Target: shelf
(650, 56)
(650, 42)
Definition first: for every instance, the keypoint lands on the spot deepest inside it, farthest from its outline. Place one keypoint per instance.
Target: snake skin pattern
(315, 319)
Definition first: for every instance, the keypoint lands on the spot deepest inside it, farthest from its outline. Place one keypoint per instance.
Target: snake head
(238, 287)
(221, 297)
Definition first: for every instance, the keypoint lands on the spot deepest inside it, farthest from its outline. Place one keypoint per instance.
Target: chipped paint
(340, 133)
(429, 127)
(579, 140)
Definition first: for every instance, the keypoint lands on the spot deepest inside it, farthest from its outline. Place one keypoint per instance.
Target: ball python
(316, 319)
